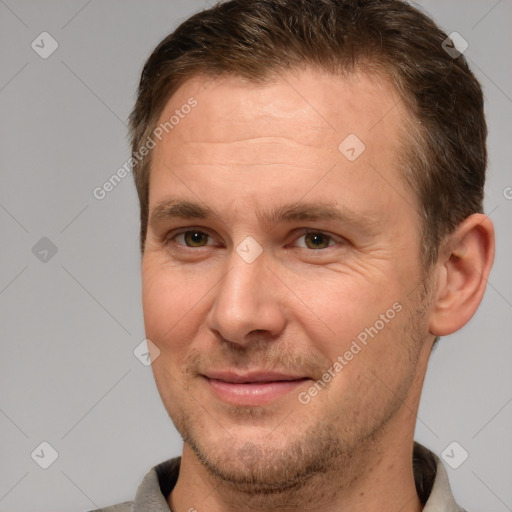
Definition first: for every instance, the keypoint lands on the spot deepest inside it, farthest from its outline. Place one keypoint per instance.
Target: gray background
(69, 325)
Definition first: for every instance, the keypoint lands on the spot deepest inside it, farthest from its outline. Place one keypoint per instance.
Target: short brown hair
(444, 156)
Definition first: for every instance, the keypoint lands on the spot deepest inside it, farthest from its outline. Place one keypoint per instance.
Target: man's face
(274, 255)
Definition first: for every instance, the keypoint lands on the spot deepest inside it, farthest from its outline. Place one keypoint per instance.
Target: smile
(252, 389)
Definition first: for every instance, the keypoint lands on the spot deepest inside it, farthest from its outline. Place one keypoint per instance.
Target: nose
(247, 308)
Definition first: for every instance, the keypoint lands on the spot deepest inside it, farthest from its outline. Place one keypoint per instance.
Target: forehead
(281, 138)
(328, 108)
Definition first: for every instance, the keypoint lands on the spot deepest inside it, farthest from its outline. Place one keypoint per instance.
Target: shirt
(429, 474)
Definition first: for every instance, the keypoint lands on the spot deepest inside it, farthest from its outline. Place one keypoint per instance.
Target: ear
(462, 271)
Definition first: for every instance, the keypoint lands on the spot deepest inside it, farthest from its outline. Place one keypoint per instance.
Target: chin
(260, 461)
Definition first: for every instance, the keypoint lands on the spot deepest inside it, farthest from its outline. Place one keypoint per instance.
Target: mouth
(252, 389)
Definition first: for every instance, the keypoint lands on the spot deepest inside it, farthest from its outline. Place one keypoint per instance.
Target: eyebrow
(291, 212)
(179, 208)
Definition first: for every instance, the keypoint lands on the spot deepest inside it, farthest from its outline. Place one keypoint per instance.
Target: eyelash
(170, 237)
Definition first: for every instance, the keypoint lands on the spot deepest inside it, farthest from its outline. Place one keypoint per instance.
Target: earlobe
(463, 270)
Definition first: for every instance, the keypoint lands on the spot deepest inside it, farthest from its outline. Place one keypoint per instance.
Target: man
(310, 175)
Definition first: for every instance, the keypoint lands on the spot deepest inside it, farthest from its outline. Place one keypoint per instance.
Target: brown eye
(316, 240)
(194, 238)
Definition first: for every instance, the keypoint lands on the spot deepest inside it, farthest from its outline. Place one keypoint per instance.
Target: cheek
(172, 305)
(348, 307)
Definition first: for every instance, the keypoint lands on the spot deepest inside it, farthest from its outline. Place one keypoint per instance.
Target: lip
(253, 388)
